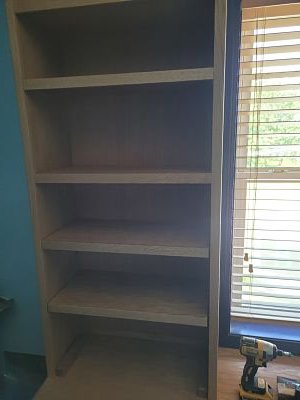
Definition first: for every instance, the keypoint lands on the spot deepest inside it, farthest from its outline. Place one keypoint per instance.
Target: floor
(25, 376)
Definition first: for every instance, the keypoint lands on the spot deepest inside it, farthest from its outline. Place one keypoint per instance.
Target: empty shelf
(94, 175)
(113, 368)
(133, 78)
(130, 296)
(129, 238)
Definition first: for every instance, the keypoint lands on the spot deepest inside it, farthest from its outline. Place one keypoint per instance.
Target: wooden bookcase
(121, 105)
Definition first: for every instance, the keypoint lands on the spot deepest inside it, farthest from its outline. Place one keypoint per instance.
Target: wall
(20, 327)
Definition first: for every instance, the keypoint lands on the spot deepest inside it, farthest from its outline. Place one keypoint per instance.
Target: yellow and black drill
(258, 353)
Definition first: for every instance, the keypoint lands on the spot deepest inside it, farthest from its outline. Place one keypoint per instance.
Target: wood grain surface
(216, 189)
(128, 238)
(129, 369)
(137, 78)
(23, 6)
(230, 368)
(130, 296)
(123, 176)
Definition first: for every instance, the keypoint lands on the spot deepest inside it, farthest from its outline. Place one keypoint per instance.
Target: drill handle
(249, 372)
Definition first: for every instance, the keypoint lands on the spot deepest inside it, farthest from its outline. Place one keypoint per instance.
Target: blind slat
(270, 88)
(266, 313)
(273, 13)
(272, 50)
(263, 249)
(265, 110)
(268, 306)
(267, 75)
(266, 285)
(270, 37)
(249, 27)
(245, 275)
(267, 100)
(267, 295)
(272, 267)
(278, 62)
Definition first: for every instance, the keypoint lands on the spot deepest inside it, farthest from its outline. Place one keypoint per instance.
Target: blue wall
(20, 328)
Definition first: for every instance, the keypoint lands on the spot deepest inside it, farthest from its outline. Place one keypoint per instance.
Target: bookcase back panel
(148, 203)
(163, 126)
(164, 332)
(61, 266)
(162, 204)
(113, 38)
(55, 208)
(50, 138)
(149, 265)
(79, 326)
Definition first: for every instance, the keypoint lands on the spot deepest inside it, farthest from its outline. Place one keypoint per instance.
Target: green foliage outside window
(274, 137)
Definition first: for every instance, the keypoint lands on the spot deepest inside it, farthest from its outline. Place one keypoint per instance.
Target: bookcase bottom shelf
(114, 368)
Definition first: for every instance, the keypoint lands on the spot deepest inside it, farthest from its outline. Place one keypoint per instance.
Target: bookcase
(121, 104)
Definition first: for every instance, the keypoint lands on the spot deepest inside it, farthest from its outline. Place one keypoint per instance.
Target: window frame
(232, 329)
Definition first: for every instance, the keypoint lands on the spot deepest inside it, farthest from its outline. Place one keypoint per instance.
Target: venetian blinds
(266, 225)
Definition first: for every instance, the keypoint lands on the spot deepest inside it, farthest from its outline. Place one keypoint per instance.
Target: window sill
(270, 330)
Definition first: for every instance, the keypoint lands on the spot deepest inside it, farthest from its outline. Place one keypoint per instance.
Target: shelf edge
(26, 6)
(132, 78)
(187, 320)
(125, 178)
(126, 249)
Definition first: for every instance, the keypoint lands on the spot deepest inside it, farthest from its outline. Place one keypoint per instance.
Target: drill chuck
(282, 353)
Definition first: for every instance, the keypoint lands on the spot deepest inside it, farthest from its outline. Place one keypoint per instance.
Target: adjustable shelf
(130, 369)
(137, 78)
(128, 296)
(117, 176)
(129, 238)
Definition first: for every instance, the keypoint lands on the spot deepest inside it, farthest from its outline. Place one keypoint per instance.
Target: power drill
(258, 353)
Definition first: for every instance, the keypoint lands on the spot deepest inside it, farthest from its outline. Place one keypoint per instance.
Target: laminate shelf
(24, 6)
(114, 176)
(130, 369)
(129, 238)
(133, 78)
(132, 296)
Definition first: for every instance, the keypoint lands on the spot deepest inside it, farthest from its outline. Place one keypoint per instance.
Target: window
(266, 215)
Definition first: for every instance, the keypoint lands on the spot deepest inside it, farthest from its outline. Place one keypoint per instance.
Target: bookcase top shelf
(129, 238)
(133, 296)
(132, 78)
(90, 175)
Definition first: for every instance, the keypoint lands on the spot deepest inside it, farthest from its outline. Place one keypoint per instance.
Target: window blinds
(266, 217)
